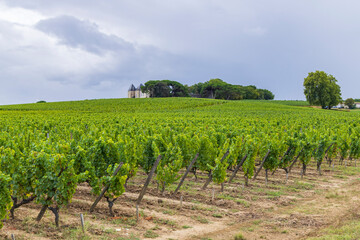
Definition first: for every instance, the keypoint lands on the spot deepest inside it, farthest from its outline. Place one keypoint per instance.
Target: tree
(211, 88)
(251, 92)
(229, 92)
(265, 94)
(350, 103)
(165, 88)
(155, 88)
(195, 90)
(218, 89)
(321, 89)
(177, 89)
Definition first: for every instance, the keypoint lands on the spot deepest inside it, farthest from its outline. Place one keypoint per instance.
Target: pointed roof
(132, 88)
(139, 87)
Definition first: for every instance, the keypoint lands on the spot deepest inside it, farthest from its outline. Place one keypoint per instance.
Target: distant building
(342, 105)
(134, 92)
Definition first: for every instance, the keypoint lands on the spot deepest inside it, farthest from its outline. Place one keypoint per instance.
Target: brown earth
(295, 210)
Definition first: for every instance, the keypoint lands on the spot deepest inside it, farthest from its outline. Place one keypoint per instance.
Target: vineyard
(132, 165)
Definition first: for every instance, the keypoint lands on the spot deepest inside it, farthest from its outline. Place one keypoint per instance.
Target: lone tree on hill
(321, 89)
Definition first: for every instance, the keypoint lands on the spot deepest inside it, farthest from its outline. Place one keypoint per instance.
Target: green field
(57, 146)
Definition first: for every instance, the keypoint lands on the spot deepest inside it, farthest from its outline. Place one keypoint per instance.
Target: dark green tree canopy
(265, 94)
(322, 89)
(350, 102)
(165, 88)
(218, 89)
(214, 88)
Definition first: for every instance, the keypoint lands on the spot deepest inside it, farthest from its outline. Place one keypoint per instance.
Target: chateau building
(134, 92)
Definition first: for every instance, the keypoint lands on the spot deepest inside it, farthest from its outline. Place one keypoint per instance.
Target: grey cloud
(271, 44)
(84, 34)
(128, 62)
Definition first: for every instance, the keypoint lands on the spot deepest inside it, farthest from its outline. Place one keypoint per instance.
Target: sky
(88, 49)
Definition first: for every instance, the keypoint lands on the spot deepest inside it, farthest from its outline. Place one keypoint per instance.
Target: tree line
(214, 88)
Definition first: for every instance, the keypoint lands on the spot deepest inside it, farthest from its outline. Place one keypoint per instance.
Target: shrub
(239, 237)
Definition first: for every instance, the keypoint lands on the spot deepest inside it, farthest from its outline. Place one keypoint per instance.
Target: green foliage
(116, 183)
(350, 103)
(218, 89)
(150, 234)
(151, 152)
(321, 89)
(272, 160)
(165, 88)
(322, 144)
(5, 196)
(237, 151)
(170, 165)
(213, 87)
(355, 146)
(219, 170)
(291, 144)
(54, 178)
(265, 94)
(189, 146)
(251, 150)
(292, 103)
(19, 170)
(344, 145)
(306, 152)
(239, 237)
(47, 149)
(103, 157)
(207, 153)
(334, 148)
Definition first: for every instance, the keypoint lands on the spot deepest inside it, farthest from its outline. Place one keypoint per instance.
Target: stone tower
(131, 91)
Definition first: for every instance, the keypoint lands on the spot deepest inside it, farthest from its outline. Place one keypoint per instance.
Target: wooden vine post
(186, 173)
(210, 173)
(319, 164)
(295, 160)
(282, 158)
(143, 190)
(261, 165)
(237, 168)
(82, 221)
(105, 189)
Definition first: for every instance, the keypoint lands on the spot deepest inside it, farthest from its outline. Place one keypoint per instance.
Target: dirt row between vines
(295, 210)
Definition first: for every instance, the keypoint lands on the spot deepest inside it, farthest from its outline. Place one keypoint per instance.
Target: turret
(131, 91)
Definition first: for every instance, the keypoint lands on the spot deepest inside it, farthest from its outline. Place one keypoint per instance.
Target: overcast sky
(84, 49)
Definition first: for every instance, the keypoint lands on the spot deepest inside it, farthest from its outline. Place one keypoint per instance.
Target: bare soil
(297, 209)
